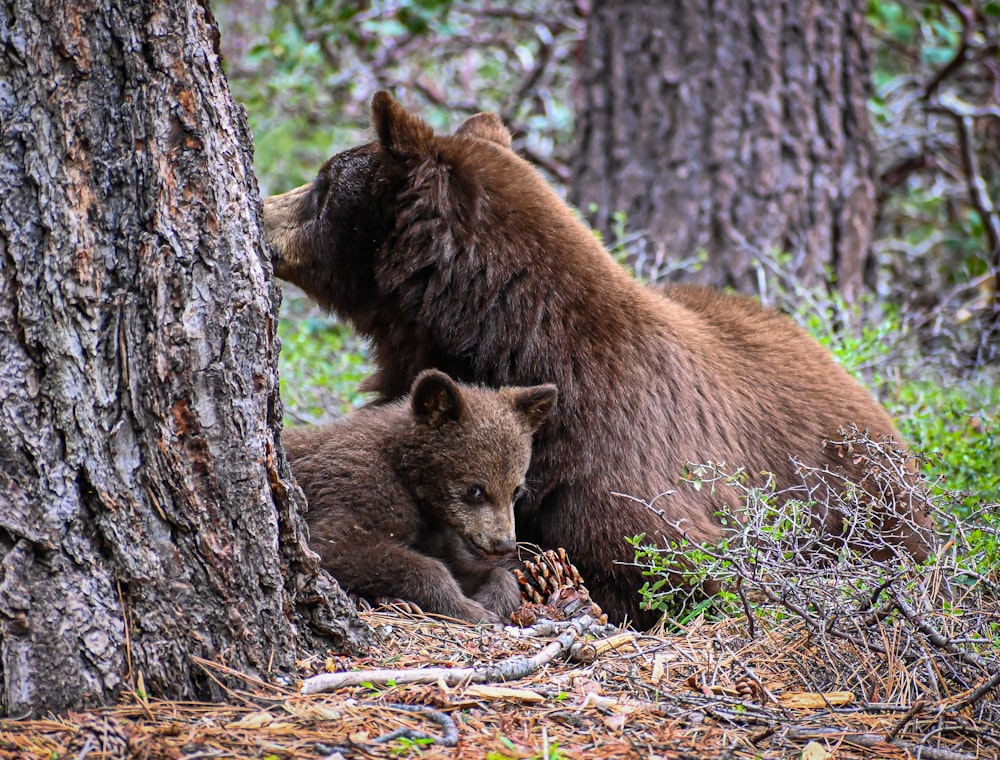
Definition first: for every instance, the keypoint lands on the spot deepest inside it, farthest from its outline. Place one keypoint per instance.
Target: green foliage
(321, 366)
(313, 66)
(956, 427)
(935, 67)
(776, 562)
(410, 746)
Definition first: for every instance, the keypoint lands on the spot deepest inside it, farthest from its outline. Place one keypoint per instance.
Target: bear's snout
(281, 223)
(504, 546)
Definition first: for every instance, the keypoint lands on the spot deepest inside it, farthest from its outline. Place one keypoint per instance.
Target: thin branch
(874, 740)
(449, 737)
(914, 711)
(978, 693)
(960, 55)
(511, 669)
(980, 196)
(939, 640)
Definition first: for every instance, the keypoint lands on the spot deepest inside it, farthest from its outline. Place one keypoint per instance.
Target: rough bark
(147, 513)
(736, 127)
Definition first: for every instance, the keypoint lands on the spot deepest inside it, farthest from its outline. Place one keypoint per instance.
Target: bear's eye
(475, 494)
(520, 492)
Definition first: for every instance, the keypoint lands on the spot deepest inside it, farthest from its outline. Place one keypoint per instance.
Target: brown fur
(393, 509)
(452, 252)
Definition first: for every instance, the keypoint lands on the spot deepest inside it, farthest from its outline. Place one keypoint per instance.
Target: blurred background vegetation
(925, 334)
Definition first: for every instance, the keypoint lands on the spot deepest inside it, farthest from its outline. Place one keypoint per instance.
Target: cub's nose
(505, 546)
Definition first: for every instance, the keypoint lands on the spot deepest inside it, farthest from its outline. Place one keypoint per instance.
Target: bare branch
(875, 740)
(961, 54)
(510, 669)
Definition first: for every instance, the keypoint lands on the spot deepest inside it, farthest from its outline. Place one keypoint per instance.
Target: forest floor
(707, 690)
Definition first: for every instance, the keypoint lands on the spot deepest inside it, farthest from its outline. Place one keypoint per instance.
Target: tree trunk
(147, 513)
(739, 128)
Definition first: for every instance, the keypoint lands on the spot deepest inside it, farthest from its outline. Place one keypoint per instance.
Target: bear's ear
(435, 398)
(402, 134)
(533, 403)
(487, 126)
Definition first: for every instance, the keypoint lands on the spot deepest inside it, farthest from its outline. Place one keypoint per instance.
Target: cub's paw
(474, 612)
(500, 592)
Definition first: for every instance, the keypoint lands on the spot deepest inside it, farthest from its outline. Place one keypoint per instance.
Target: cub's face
(469, 454)
(484, 478)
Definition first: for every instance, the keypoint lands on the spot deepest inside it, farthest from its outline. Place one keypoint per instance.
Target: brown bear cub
(416, 499)
(453, 252)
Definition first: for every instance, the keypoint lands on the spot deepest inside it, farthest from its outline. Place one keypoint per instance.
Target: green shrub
(954, 424)
(776, 561)
(321, 365)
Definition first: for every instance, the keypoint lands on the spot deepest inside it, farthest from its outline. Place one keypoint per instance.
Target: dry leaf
(253, 720)
(815, 751)
(615, 722)
(808, 700)
(483, 691)
(658, 670)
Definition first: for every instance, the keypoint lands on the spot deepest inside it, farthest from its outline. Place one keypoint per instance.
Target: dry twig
(511, 669)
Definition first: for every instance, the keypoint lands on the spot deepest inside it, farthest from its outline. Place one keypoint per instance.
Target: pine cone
(99, 735)
(552, 581)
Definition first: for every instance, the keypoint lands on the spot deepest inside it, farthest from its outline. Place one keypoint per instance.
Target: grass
(954, 424)
(321, 365)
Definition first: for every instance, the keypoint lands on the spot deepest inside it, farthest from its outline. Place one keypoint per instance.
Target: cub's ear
(487, 126)
(435, 398)
(533, 403)
(401, 133)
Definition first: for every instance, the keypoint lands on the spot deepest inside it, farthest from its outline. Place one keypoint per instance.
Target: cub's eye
(519, 493)
(475, 494)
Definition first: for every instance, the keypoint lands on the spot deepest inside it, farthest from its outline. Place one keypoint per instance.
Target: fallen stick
(870, 740)
(449, 737)
(510, 669)
(978, 693)
(587, 651)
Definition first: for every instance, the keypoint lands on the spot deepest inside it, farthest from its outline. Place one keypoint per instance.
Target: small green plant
(507, 743)
(552, 752)
(321, 365)
(375, 689)
(405, 745)
(774, 536)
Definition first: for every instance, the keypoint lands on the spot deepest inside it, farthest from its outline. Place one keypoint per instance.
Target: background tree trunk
(147, 514)
(738, 127)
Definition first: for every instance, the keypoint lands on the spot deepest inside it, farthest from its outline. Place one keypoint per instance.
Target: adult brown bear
(452, 252)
